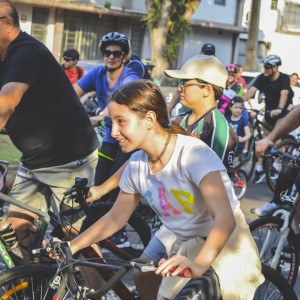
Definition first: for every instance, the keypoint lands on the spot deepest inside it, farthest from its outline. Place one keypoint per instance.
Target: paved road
(257, 195)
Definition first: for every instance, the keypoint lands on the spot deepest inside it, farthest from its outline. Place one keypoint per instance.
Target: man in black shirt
(44, 119)
(278, 96)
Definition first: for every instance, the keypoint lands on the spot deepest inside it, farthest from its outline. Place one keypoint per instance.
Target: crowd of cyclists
(181, 167)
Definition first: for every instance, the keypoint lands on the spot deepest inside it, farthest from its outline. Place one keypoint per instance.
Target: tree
(168, 21)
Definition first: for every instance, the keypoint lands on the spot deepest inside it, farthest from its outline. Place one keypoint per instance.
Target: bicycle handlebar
(62, 249)
(277, 152)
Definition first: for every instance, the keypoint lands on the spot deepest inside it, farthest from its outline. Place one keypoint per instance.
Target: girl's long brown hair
(142, 96)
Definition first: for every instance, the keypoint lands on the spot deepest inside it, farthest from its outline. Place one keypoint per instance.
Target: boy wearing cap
(203, 79)
(207, 49)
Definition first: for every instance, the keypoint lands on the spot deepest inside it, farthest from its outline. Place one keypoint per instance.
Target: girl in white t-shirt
(186, 183)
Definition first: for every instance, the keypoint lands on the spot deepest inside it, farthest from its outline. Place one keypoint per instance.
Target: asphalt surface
(256, 196)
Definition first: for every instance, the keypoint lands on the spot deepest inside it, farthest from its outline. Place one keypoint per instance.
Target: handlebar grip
(184, 273)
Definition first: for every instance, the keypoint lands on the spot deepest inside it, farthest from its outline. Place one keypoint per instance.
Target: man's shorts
(30, 185)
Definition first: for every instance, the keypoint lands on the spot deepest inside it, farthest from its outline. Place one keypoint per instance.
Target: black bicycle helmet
(115, 38)
(272, 60)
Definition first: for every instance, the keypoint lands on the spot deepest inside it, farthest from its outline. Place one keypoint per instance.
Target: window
(290, 19)
(40, 23)
(220, 2)
(274, 4)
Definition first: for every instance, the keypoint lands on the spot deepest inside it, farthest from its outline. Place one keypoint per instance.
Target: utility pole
(252, 42)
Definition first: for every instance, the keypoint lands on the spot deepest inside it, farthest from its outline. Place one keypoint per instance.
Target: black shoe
(259, 176)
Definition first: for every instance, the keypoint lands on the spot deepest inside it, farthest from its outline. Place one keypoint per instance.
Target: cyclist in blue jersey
(105, 80)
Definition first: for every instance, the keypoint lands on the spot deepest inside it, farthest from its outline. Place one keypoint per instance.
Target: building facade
(279, 32)
(62, 24)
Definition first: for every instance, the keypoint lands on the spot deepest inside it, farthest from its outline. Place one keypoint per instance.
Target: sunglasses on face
(267, 67)
(67, 59)
(116, 54)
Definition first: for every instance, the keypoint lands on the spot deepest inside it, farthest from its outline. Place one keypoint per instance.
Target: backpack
(79, 71)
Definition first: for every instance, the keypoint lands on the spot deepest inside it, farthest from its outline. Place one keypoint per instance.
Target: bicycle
(248, 161)
(44, 282)
(239, 182)
(3, 172)
(288, 145)
(138, 231)
(274, 233)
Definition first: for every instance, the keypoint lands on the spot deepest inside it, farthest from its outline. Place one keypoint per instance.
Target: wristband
(279, 108)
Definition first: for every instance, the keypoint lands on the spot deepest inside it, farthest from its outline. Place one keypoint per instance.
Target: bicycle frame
(43, 217)
(287, 216)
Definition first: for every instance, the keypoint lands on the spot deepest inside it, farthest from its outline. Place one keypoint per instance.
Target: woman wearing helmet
(104, 80)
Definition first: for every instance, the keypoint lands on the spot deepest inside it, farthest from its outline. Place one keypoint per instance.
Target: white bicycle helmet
(115, 38)
(272, 60)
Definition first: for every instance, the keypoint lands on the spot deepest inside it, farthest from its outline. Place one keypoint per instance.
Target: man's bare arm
(10, 96)
(290, 122)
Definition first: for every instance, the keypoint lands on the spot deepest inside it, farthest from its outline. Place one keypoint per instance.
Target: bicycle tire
(287, 145)
(252, 162)
(275, 286)
(26, 282)
(288, 266)
(240, 183)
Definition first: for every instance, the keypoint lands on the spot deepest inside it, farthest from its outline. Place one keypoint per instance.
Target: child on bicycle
(239, 124)
(203, 227)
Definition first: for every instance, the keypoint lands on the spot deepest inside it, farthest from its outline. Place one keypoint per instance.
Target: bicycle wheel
(288, 145)
(240, 183)
(137, 230)
(288, 262)
(274, 287)
(26, 282)
(250, 166)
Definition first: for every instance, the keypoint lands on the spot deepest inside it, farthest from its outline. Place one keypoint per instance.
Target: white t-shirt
(296, 98)
(173, 192)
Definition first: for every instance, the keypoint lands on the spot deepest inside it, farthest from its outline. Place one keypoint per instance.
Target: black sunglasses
(2, 18)
(267, 67)
(68, 59)
(116, 54)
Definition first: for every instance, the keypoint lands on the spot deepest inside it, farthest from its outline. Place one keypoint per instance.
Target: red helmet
(232, 68)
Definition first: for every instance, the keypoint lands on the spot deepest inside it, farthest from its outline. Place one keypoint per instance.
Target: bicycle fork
(284, 231)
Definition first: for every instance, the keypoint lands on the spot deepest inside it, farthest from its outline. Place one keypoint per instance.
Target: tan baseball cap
(203, 67)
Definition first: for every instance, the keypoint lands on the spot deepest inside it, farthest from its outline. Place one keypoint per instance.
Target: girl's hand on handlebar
(177, 265)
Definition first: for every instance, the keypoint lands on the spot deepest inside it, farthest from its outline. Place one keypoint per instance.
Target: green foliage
(154, 14)
(8, 151)
(177, 24)
(107, 4)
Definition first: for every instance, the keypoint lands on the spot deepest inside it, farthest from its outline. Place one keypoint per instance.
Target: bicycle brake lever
(144, 267)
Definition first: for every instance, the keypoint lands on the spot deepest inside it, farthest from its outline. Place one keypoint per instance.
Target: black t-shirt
(272, 90)
(49, 125)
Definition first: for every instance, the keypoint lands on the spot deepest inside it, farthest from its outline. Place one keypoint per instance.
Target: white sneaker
(267, 209)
